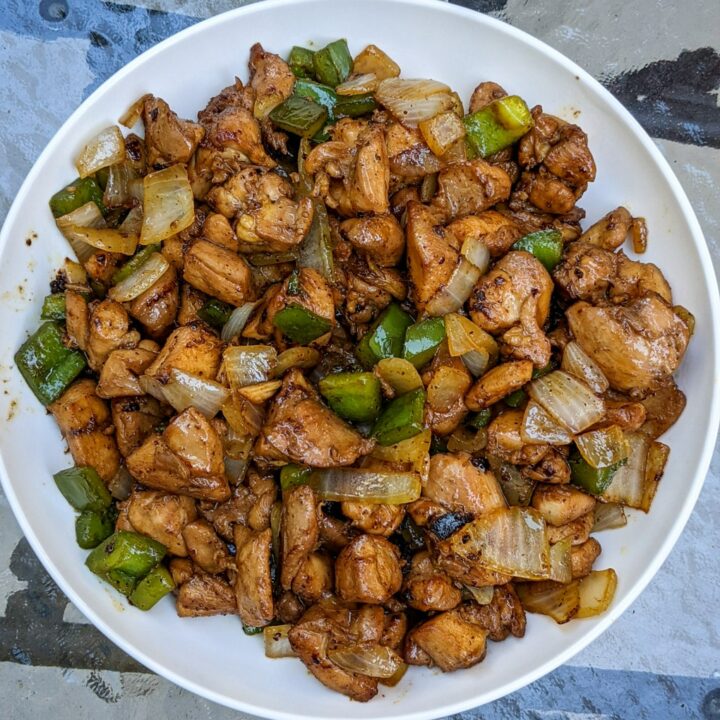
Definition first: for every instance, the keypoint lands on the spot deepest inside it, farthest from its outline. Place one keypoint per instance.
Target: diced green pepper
(153, 587)
(516, 399)
(386, 336)
(318, 93)
(299, 116)
(292, 475)
(590, 479)
(422, 340)
(545, 245)
(215, 313)
(251, 629)
(355, 105)
(75, 195)
(401, 419)
(46, 364)
(354, 396)
(544, 370)
(126, 552)
(300, 324)
(134, 263)
(83, 488)
(301, 62)
(121, 581)
(91, 528)
(333, 63)
(497, 125)
(437, 445)
(480, 419)
(53, 307)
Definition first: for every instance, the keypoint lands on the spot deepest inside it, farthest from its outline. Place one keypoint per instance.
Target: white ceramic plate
(211, 656)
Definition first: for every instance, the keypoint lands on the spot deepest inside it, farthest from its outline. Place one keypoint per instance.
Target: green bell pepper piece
(516, 399)
(386, 336)
(215, 313)
(251, 629)
(46, 364)
(318, 93)
(481, 419)
(590, 479)
(153, 587)
(422, 340)
(300, 325)
(497, 125)
(83, 488)
(134, 263)
(355, 105)
(127, 552)
(75, 195)
(545, 245)
(299, 116)
(301, 62)
(333, 63)
(91, 528)
(121, 581)
(53, 307)
(354, 396)
(292, 475)
(401, 419)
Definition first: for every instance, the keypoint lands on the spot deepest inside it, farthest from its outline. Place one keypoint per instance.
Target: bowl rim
(704, 460)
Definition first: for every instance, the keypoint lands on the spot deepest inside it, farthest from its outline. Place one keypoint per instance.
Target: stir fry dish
(338, 358)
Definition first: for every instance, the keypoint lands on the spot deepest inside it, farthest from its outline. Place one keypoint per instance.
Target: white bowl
(211, 656)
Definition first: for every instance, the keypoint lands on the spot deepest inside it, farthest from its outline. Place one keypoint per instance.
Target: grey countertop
(662, 658)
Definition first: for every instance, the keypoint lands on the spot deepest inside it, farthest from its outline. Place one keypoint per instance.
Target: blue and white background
(662, 658)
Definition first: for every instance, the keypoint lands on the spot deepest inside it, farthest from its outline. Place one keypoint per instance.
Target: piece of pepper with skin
(355, 105)
(497, 125)
(545, 245)
(83, 488)
(300, 325)
(333, 63)
(301, 62)
(401, 419)
(135, 263)
(215, 313)
(53, 307)
(92, 527)
(422, 340)
(321, 94)
(152, 588)
(299, 116)
(386, 336)
(292, 475)
(355, 396)
(75, 195)
(47, 365)
(480, 419)
(592, 480)
(126, 552)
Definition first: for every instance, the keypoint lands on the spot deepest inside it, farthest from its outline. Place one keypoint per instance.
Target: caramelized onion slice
(141, 280)
(540, 428)
(558, 601)
(373, 660)
(105, 149)
(603, 448)
(577, 362)
(184, 390)
(370, 486)
(596, 592)
(248, 364)
(412, 101)
(277, 644)
(168, 203)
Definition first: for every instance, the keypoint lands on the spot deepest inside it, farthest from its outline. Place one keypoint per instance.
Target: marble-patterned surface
(662, 658)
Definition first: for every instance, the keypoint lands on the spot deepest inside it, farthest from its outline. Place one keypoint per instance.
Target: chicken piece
(610, 231)
(629, 416)
(484, 94)
(561, 504)
(122, 521)
(447, 640)
(583, 556)
(177, 246)
(191, 300)
(553, 469)
(372, 518)
(468, 188)
(162, 517)
(497, 383)
(186, 459)
(120, 372)
(504, 615)
(496, 230)
(368, 570)
(253, 582)
(526, 340)
(301, 428)
(369, 289)
(380, 237)
(77, 318)
(460, 486)
(530, 219)
(134, 419)
(423, 511)
(636, 345)
(249, 188)
(109, 329)
(85, 423)
(205, 548)
(168, 139)
(326, 626)
(275, 227)
(426, 588)
(662, 409)
(204, 595)
(577, 530)
(299, 533)
(314, 578)
(157, 307)
(270, 78)
(289, 608)
(181, 570)
(219, 272)
(101, 266)
(411, 159)
(335, 534)
(192, 349)
(217, 229)
(447, 381)
(506, 443)
(235, 135)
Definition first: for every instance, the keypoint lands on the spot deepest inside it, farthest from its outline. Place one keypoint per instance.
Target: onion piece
(237, 321)
(87, 215)
(414, 453)
(467, 440)
(467, 340)
(442, 131)
(396, 678)
(184, 390)
(608, 516)
(568, 400)
(577, 362)
(516, 488)
(412, 101)
(168, 203)
(372, 660)
(596, 591)
(75, 273)
(657, 457)
(508, 540)
(117, 189)
(132, 224)
(248, 364)
(275, 639)
(539, 428)
(133, 114)
(401, 375)
(242, 416)
(373, 60)
(105, 239)
(560, 561)
(481, 595)
(301, 357)
(558, 601)
(152, 386)
(603, 448)
(105, 149)
(236, 469)
(370, 486)
(628, 485)
(258, 393)
(359, 85)
(120, 485)
(141, 280)
(447, 387)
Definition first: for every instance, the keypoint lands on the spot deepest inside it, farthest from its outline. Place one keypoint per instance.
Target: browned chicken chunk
(270, 78)
(504, 615)
(168, 139)
(192, 349)
(204, 595)
(380, 237)
(368, 570)
(162, 517)
(205, 548)
(134, 419)
(253, 584)
(119, 375)
(109, 329)
(427, 588)
(157, 307)
(299, 531)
